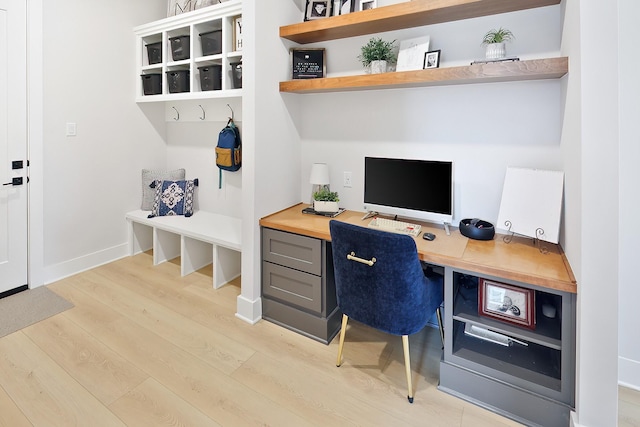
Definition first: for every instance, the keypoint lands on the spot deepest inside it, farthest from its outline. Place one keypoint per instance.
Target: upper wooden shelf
(409, 14)
(535, 69)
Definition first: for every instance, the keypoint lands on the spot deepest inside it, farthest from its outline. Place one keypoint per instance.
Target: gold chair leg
(343, 331)
(439, 314)
(407, 366)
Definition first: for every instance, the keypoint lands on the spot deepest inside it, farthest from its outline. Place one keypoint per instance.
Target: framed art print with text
(307, 63)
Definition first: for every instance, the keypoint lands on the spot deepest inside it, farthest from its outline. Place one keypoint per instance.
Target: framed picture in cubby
(508, 303)
(237, 33)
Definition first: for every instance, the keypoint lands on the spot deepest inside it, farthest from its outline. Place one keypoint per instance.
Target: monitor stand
(369, 215)
(446, 228)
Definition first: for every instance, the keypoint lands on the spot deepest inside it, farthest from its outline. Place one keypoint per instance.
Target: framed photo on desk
(508, 303)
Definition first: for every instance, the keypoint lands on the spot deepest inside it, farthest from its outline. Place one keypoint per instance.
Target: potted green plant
(377, 53)
(495, 43)
(325, 200)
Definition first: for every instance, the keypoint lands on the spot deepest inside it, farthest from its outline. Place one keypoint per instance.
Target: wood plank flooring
(146, 347)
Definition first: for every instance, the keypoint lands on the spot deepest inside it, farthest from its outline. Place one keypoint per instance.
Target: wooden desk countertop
(518, 260)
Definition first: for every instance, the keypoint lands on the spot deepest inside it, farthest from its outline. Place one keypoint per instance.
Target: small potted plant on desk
(325, 200)
(495, 40)
(377, 53)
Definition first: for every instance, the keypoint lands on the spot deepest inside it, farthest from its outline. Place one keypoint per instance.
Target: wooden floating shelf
(414, 13)
(535, 69)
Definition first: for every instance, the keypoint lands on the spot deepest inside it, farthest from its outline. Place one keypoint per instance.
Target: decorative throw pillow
(148, 176)
(173, 197)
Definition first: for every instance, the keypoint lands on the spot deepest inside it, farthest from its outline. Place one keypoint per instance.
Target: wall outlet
(347, 179)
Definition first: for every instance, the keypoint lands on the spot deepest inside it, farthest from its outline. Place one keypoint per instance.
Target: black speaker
(477, 229)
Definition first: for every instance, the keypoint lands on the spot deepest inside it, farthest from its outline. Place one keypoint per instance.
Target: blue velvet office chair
(380, 282)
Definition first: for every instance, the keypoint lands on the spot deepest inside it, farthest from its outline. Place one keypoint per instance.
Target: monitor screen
(421, 189)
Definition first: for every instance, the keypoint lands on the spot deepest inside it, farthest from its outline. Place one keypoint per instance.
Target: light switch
(71, 129)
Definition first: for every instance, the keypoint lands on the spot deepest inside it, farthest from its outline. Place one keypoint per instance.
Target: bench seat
(199, 240)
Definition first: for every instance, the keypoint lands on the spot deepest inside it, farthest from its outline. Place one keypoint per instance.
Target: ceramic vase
(319, 206)
(378, 67)
(495, 51)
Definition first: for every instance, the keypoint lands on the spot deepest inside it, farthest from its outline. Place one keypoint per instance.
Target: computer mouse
(428, 236)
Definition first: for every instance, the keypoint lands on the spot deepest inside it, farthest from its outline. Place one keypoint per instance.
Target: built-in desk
(533, 384)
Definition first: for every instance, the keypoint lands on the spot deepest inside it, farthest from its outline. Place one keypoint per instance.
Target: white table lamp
(319, 178)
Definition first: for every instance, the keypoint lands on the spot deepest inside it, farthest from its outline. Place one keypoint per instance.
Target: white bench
(199, 240)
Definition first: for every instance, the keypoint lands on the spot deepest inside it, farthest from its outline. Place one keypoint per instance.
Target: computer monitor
(420, 189)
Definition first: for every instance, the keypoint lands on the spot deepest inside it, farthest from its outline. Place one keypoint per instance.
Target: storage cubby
(538, 360)
(196, 46)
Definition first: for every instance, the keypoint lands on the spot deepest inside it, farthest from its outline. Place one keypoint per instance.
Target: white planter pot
(319, 206)
(378, 67)
(495, 51)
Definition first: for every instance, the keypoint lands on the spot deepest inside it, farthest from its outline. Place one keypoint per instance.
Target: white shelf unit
(217, 17)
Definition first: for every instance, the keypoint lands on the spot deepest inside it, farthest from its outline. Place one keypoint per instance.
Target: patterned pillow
(150, 175)
(173, 197)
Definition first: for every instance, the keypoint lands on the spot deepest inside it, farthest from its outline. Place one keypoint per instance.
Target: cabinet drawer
(292, 250)
(292, 286)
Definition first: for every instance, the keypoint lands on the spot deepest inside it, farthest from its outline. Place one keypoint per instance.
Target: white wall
(271, 150)
(91, 180)
(191, 145)
(592, 204)
(629, 291)
(483, 128)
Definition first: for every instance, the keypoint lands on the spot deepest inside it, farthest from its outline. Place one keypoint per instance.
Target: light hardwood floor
(146, 347)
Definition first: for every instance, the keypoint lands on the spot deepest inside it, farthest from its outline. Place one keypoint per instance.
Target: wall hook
(178, 114)
(204, 115)
(231, 111)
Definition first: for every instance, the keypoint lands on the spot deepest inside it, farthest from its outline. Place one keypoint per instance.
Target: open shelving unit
(412, 14)
(536, 69)
(190, 25)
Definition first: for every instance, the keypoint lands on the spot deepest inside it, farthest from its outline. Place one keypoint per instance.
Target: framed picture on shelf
(364, 5)
(317, 9)
(308, 63)
(411, 53)
(176, 7)
(507, 303)
(432, 59)
(199, 4)
(346, 6)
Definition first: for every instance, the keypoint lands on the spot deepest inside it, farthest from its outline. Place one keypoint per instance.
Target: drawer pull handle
(352, 256)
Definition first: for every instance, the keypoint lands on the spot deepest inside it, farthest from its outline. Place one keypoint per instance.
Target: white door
(13, 146)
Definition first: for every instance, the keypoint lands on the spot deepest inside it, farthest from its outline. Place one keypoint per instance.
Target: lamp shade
(319, 174)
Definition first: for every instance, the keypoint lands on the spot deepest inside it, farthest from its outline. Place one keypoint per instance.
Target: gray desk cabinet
(298, 288)
(533, 383)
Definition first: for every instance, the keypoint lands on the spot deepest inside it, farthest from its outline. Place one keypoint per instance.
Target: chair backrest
(393, 295)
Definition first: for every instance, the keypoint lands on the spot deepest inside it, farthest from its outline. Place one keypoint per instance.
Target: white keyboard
(392, 226)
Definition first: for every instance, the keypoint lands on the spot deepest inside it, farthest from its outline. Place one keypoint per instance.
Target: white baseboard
(573, 420)
(53, 273)
(629, 373)
(249, 311)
